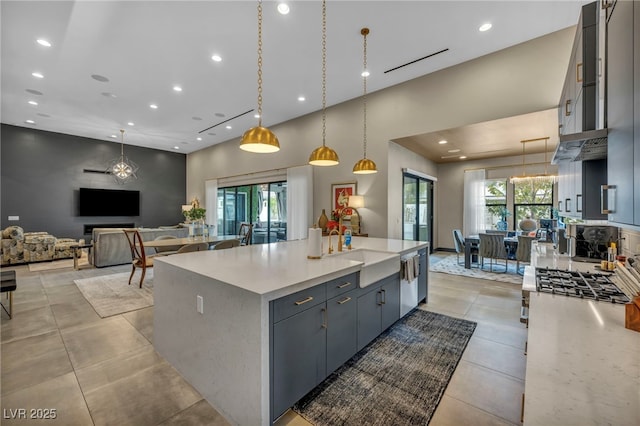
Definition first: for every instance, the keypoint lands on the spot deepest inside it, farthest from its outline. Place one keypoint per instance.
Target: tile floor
(58, 353)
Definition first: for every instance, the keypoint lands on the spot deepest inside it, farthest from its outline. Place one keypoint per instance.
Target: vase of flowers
(195, 217)
(502, 225)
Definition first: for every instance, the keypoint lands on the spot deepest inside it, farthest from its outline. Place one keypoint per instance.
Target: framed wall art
(340, 193)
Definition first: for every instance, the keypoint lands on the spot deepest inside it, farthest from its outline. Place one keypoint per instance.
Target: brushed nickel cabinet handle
(384, 297)
(343, 301)
(325, 319)
(579, 73)
(380, 302)
(566, 107)
(346, 284)
(302, 302)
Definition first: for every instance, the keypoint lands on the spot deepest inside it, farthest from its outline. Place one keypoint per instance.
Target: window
(533, 200)
(495, 199)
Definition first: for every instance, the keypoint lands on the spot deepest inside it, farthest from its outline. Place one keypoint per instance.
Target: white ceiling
(144, 48)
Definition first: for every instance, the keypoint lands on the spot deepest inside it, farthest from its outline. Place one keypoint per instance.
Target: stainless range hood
(587, 145)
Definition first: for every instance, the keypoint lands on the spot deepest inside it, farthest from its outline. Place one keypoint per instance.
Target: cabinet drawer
(341, 285)
(298, 302)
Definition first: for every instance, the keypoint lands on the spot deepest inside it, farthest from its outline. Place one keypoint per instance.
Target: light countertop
(269, 269)
(583, 366)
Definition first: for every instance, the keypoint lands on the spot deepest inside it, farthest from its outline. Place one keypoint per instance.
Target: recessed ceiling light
(34, 92)
(442, 142)
(176, 147)
(453, 150)
(216, 58)
(131, 123)
(37, 75)
(177, 88)
(100, 78)
(462, 157)
(485, 27)
(256, 115)
(153, 106)
(114, 136)
(198, 139)
(365, 73)
(229, 127)
(43, 42)
(29, 121)
(283, 8)
(302, 98)
(33, 103)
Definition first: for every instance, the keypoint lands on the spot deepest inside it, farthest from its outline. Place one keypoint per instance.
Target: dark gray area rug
(398, 379)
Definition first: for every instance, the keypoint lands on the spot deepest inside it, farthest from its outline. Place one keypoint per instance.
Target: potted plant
(195, 217)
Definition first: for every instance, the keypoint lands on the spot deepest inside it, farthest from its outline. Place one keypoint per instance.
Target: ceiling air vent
(417, 60)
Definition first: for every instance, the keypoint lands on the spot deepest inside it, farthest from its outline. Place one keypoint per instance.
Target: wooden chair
(226, 244)
(167, 250)
(492, 247)
(523, 252)
(188, 248)
(139, 258)
(245, 233)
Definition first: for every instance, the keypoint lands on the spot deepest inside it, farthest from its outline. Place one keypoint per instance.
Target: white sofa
(110, 245)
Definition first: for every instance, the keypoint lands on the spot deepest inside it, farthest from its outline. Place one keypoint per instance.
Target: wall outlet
(14, 218)
(200, 304)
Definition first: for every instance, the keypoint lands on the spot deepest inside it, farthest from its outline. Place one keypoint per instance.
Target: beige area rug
(58, 264)
(449, 265)
(112, 295)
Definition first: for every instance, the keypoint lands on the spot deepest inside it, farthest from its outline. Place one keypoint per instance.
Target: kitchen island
(214, 314)
(583, 365)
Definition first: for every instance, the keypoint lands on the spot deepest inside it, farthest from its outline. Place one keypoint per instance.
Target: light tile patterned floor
(58, 353)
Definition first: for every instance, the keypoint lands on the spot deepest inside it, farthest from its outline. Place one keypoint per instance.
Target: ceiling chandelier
(324, 156)
(365, 166)
(260, 139)
(123, 169)
(534, 178)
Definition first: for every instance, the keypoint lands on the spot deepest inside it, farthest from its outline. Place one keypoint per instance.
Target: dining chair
(523, 252)
(497, 231)
(139, 259)
(189, 248)
(492, 247)
(245, 233)
(226, 244)
(459, 243)
(167, 250)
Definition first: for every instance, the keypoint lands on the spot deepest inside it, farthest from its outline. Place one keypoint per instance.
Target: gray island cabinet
(254, 328)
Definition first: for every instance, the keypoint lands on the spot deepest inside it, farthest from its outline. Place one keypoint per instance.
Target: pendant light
(259, 139)
(525, 178)
(123, 169)
(365, 166)
(324, 156)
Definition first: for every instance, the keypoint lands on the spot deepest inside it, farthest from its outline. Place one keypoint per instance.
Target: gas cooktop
(583, 285)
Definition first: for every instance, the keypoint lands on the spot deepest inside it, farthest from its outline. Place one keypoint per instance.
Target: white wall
(521, 79)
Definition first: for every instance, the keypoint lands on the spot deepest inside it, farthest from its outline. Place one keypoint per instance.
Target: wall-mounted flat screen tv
(109, 202)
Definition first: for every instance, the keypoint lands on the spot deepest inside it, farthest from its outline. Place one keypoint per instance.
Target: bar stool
(8, 286)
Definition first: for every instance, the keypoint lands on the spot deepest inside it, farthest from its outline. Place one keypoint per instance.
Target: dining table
(174, 242)
(510, 243)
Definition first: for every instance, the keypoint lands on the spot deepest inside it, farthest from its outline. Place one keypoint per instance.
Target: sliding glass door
(263, 205)
(417, 208)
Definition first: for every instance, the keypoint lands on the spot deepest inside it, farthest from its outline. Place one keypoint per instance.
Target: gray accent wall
(43, 171)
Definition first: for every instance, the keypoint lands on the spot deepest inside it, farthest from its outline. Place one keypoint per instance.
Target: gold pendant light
(259, 139)
(324, 156)
(365, 166)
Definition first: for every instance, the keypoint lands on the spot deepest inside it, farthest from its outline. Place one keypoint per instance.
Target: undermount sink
(375, 264)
